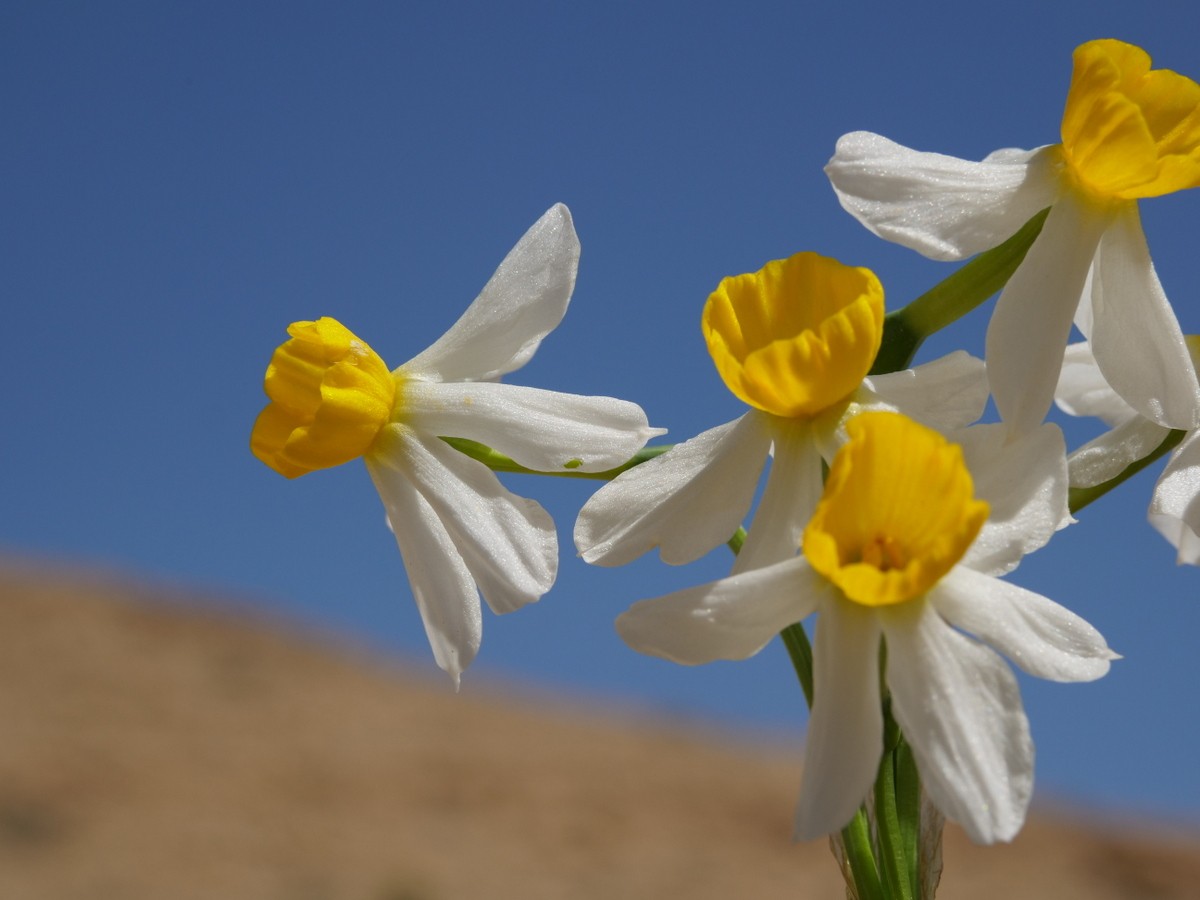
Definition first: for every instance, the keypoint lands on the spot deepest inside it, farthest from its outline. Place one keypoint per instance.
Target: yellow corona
(797, 337)
(898, 512)
(1129, 131)
(330, 396)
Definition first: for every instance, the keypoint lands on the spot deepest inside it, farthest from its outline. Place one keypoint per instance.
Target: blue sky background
(180, 181)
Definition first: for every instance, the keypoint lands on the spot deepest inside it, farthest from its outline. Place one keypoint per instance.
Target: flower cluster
(888, 512)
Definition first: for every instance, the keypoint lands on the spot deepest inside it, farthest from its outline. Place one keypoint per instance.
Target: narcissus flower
(1128, 132)
(460, 532)
(795, 341)
(903, 548)
(1175, 506)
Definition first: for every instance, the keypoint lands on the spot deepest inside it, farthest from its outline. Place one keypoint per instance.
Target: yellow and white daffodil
(1175, 505)
(1128, 132)
(460, 532)
(903, 549)
(795, 341)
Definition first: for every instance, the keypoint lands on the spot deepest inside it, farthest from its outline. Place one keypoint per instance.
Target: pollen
(897, 514)
(1129, 131)
(797, 337)
(330, 395)
(884, 552)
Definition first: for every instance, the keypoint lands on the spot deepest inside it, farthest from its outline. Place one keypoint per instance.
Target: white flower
(795, 341)
(901, 550)
(460, 532)
(1175, 506)
(1128, 132)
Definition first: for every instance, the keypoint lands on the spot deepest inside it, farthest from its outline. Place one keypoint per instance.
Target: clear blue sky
(180, 181)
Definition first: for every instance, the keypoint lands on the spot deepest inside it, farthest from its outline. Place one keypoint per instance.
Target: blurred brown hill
(158, 750)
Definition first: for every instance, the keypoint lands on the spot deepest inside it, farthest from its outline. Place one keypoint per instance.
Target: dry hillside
(154, 750)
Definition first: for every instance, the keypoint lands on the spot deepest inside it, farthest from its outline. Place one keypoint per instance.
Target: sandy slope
(150, 750)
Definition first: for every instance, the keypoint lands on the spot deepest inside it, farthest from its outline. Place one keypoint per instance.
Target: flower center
(330, 395)
(897, 514)
(1129, 131)
(884, 552)
(796, 337)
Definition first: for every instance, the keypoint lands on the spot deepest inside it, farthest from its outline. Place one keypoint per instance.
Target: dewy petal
(1136, 338)
(544, 430)
(946, 393)
(845, 732)
(789, 498)
(686, 502)
(1024, 481)
(507, 542)
(958, 705)
(1175, 509)
(522, 302)
(1082, 390)
(1107, 456)
(732, 618)
(1044, 639)
(943, 207)
(443, 588)
(1032, 319)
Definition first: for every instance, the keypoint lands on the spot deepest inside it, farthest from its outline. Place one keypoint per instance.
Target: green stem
(898, 873)
(906, 329)
(908, 805)
(498, 462)
(856, 838)
(800, 651)
(1081, 497)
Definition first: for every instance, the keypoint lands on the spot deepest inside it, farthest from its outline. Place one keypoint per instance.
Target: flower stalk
(905, 329)
(498, 462)
(1081, 497)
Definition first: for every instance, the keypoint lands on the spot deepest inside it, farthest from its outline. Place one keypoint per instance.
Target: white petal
(522, 302)
(1024, 481)
(1043, 638)
(829, 428)
(845, 731)
(732, 618)
(1029, 328)
(444, 590)
(544, 430)
(1107, 456)
(1082, 390)
(949, 392)
(792, 491)
(958, 705)
(686, 502)
(1175, 509)
(1135, 336)
(943, 207)
(507, 542)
